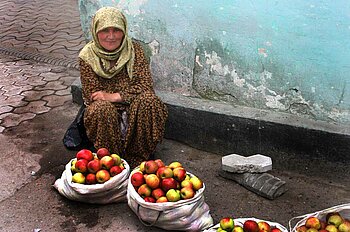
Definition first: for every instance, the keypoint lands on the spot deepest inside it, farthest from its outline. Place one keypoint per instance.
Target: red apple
(150, 199)
(137, 179)
(90, 178)
(78, 178)
(264, 226)
(275, 229)
(174, 164)
(94, 165)
(187, 193)
(173, 195)
(164, 172)
(313, 222)
(157, 193)
(152, 181)
(144, 191)
(107, 162)
(151, 167)
(179, 174)
(162, 199)
(85, 154)
(186, 183)
(115, 170)
(81, 165)
(102, 176)
(197, 183)
(227, 224)
(250, 226)
(102, 152)
(159, 162)
(302, 228)
(117, 159)
(168, 183)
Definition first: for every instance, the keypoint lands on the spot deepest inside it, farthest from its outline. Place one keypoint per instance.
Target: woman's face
(110, 38)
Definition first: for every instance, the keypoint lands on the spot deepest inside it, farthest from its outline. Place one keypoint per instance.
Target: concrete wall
(284, 56)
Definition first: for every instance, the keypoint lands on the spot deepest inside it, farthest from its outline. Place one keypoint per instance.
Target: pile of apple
(228, 224)
(156, 182)
(333, 222)
(94, 168)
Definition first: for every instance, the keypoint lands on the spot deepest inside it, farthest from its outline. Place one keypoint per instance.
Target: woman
(117, 87)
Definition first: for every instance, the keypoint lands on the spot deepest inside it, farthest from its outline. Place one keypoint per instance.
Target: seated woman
(117, 87)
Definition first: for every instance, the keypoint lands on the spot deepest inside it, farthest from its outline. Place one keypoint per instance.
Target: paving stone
(35, 81)
(53, 85)
(15, 119)
(2, 129)
(49, 76)
(5, 109)
(14, 101)
(15, 90)
(63, 92)
(36, 107)
(240, 164)
(54, 100)
(33, 95)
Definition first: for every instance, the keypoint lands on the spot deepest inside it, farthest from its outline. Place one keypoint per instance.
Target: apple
(173, 195)
(197, 183)
(344, 226)
(72, 168)
(162, 199)
(179, 174)
(90, 178)
(335, 219)
(238, 229)
(168, 183)
(150, 199)
(85, 154)
(101, 152)
(117, 159)
(275, 229)
(330, 214)
(152, 181)
(264, 226)
(164, 172)
(137, 179)
(157, 193)
(331, 228)
(323, 230)
(106, 162)
(187, 193)
(159, 162)
(78, 178)
(323, 224)
(81, 165)
(312, 230)
(102, 176)
(227, 224)
(142, 166)
(186, 183)
(250, 226)
(313, 222)
(94, 165)
(144, 191)
(174, 165)
(302, 228)
(151, 167)
(115, 170)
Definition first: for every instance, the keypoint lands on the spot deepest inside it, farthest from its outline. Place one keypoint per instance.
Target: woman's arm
(142, 78)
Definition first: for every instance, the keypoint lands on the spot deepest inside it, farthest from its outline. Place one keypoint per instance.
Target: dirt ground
(35, 149)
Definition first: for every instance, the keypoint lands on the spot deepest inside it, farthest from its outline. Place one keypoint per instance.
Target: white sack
(240, 222)
(184, 215)
(343, 209)
(112, 191)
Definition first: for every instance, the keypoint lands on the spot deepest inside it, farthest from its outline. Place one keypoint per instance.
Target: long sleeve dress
(146, 113)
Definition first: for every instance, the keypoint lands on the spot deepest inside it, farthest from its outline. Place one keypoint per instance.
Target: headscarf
(97, 57)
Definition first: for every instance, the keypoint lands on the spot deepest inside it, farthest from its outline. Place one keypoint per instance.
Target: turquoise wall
(287, 56)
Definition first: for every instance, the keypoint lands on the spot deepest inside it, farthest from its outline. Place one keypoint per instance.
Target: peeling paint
(132, 7)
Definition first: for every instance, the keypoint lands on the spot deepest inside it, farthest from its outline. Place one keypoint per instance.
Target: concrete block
(240, 164)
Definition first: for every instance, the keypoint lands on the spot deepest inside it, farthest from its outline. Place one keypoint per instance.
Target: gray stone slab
(240, 164)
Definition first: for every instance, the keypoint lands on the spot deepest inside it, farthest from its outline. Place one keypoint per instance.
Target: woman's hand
(111, 97)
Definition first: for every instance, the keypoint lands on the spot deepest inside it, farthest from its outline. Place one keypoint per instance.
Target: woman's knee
(100, 109)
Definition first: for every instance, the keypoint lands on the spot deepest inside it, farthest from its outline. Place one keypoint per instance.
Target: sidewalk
(39, 42)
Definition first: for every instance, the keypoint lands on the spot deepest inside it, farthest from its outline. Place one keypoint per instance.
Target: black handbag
(75, 137)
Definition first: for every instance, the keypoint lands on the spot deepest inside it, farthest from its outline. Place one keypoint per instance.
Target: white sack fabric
(184, 215)
(112, 191)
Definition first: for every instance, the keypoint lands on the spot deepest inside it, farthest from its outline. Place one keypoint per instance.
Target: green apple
(173, 195)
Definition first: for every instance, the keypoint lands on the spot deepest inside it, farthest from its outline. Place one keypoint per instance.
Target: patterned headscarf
(97, 57)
